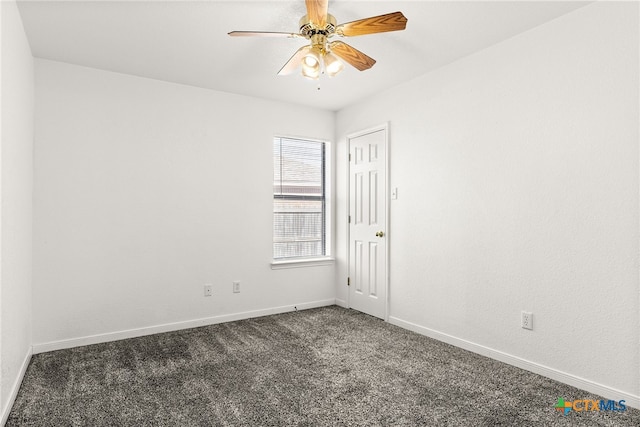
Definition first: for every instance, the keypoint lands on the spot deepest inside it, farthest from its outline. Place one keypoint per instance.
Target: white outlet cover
(527, 320)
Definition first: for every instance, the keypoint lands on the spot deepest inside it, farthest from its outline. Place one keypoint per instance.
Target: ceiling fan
(318, 27)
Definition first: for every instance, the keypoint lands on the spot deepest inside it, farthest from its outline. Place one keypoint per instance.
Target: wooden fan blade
(376, 24)
(352, 55)
(317, 11)
(294, 61)
(263, 34)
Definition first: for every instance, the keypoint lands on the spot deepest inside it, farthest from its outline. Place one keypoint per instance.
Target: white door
(368, 222)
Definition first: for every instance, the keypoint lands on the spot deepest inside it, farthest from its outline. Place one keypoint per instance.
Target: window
(299, 199)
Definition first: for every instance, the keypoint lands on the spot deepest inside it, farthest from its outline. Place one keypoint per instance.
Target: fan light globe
(312, 58)
(311, 72)
(311, 64)
(310, 61)
(332, 65)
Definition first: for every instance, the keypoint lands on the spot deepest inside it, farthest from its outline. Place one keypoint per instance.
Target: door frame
(382, 127)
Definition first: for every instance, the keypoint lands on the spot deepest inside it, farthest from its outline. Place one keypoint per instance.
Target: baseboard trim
(175, 326)
(341, 303)
(16, 387)
(554, 374)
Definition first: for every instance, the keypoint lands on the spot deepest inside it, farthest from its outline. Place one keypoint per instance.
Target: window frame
(327, 194)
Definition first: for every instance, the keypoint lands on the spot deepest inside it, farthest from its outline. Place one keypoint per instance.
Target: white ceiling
(186, 41)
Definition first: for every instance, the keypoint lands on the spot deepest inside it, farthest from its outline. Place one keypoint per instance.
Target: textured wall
(517, 169)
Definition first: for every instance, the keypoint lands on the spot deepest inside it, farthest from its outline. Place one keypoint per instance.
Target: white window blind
(299, 223)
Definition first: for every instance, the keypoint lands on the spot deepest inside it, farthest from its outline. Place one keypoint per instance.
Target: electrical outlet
(527, 320)
(236, 287)
(208, 290)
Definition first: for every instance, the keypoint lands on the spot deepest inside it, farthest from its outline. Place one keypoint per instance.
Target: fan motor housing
(309, 29)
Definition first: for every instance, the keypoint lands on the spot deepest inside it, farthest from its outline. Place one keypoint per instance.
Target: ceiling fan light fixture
(311, 64)
(311, 72)
(312, 58)
(310, 61)
(322, 55)
(332, 64)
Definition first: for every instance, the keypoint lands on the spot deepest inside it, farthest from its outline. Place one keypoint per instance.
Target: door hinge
(349, 219)
(349, 156)
(348, 281)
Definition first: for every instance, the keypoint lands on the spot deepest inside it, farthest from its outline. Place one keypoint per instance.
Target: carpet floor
(322, 367)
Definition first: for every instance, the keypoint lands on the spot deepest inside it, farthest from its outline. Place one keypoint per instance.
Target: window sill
(302, 262)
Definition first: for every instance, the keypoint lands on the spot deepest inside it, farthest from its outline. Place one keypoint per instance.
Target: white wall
(16, 179)
(144, 192)
(517, 173)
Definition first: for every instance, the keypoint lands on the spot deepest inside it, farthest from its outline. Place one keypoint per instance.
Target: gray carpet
(321, 367)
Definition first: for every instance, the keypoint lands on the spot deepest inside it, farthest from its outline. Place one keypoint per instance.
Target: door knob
(380, 234)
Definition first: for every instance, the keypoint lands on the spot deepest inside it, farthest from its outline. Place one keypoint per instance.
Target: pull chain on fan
(318, 27)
